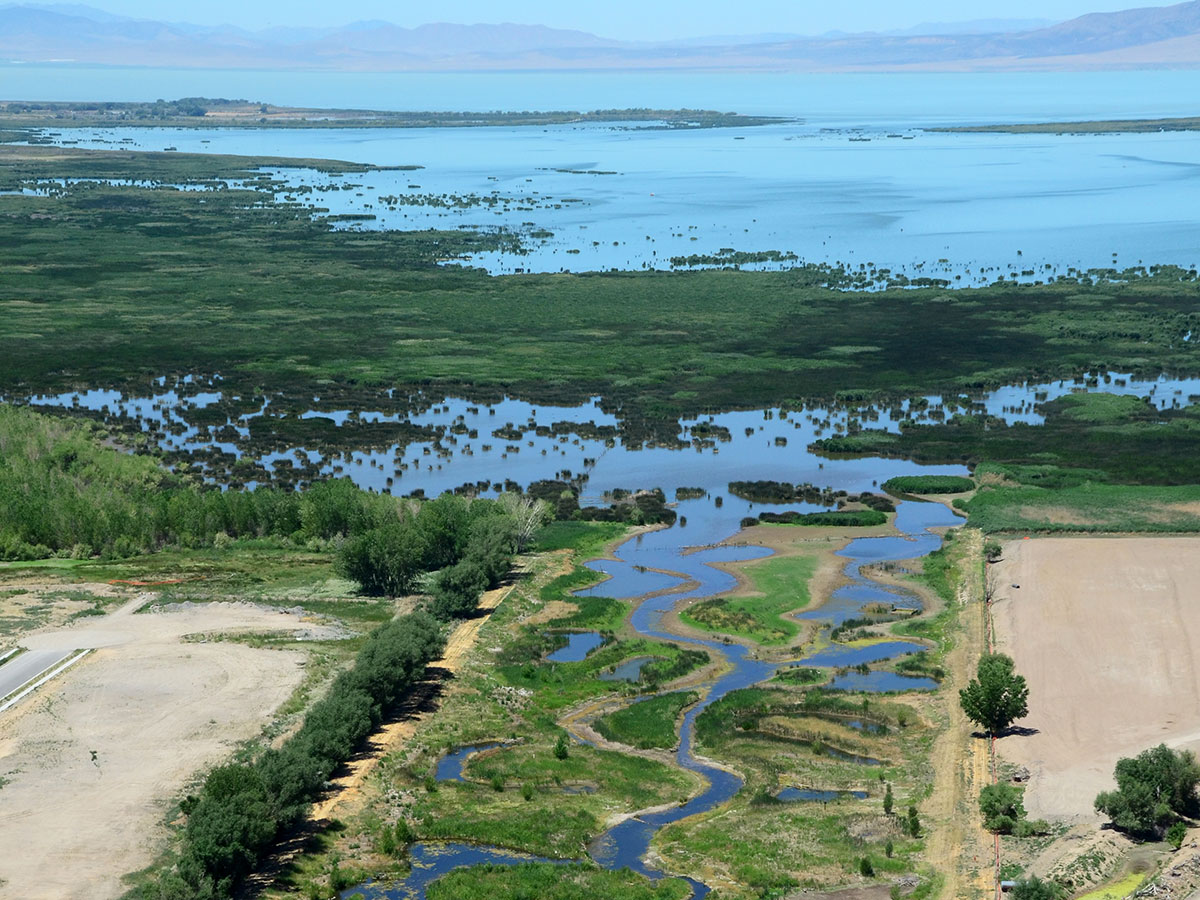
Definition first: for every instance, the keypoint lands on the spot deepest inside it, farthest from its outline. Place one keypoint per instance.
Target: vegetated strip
(211, 112)
(1100, 126)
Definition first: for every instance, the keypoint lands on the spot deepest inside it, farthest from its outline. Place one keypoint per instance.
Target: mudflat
(1107, 633)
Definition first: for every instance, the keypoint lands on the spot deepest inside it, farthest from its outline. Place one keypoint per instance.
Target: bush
(456, 590)
(1031, 827)
(1175, 834)
(1035, 889)
(1001, 807)
(929, 484)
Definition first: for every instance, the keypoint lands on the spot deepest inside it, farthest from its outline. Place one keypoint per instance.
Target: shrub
(1001, 807)
(456, 590)
(1175, 834)
(1034, 888)
(929, 484)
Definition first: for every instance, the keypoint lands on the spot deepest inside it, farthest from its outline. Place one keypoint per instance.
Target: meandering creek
(637, 572)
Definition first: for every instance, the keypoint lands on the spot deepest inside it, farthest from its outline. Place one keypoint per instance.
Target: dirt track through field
(1107, 633)
(346, 791)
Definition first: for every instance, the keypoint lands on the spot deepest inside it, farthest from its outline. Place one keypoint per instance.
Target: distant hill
(1135, 38)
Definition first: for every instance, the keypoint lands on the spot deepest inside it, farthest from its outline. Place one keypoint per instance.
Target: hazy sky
(631, 19)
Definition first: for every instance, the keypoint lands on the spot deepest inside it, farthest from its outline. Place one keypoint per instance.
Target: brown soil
(1107, 633)
(95, 759)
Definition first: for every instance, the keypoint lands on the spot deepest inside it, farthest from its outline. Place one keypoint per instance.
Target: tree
(997, 697)
(1153, 788)
(560, 747)
(913, 825)
(888, 801)
(1001, 807)
(456, 590)
(528, 514)
(385, 560)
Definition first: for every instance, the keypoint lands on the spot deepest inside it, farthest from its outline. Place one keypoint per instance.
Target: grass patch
(1088, 507)
(546, 881)
(1117, 890)
(585, 538)
(782, 585)
(929, 484)
(647, 723)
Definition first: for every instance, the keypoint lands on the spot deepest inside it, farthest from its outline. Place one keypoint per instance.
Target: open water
(852, 178)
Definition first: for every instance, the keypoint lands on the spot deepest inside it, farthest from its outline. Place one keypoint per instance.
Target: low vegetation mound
(648, 723)
(929, 484)
(852, 518)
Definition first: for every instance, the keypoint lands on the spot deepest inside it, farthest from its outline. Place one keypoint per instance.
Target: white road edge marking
(52, 673)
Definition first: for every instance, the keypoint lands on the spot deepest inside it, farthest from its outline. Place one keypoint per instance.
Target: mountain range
(1148, 37)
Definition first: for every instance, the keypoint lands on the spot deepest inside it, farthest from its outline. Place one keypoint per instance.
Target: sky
(623, 19)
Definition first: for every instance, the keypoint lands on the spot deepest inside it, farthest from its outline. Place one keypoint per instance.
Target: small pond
(579, 645)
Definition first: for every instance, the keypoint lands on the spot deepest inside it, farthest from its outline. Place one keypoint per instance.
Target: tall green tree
(997, 696)
(1153, 789)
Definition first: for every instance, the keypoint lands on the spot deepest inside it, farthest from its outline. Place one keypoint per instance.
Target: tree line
(63, 493)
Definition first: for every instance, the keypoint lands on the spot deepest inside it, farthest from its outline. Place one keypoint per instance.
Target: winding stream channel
(637, 572)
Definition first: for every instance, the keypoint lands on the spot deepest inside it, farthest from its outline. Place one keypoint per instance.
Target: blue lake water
(630, 670)
(763, 444)
(881, 682)
(988, 205)
(852, 656)
(430, 861)
(837, 99)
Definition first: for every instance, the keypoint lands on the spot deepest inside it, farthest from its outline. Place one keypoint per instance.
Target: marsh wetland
(768, 449)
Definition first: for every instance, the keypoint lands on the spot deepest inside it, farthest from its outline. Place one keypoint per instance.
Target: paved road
(27, 666)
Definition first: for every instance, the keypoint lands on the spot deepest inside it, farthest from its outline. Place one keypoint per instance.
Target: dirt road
(1107, 633)
(346, 792)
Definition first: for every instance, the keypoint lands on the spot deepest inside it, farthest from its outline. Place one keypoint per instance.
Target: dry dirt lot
(1107, 633)
(91, 763)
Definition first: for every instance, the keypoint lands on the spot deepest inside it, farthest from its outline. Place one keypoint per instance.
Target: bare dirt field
(1107, 633)
(91, 763)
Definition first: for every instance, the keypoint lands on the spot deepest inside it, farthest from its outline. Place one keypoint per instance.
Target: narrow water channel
(633, 574)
